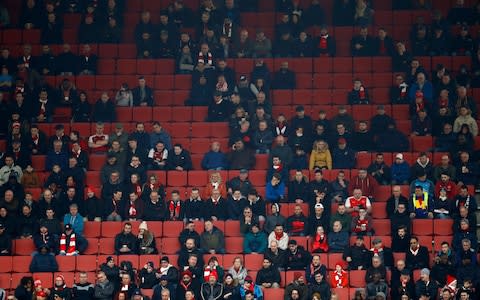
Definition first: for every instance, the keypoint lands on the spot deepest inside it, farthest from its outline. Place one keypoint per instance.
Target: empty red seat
(197, 178)
(7, 263)
(421, 143)
(24, 247)
(66, 263)
(107, 245)
(357, 278)
(21, 264)
(177, 178)
(111, 228)
(234, 244)
(142, 114)
(443, 227)
(87, 263)
(232, 228)
(172, 228)
(422, 227)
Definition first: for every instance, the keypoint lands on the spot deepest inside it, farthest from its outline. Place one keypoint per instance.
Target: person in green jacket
(255, 241)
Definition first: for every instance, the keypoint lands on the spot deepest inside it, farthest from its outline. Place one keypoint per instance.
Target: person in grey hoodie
(103, 289)
(274, 219)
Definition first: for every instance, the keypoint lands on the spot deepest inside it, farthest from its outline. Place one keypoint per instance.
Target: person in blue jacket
(255, 241)
(275, 189)
(400, 170)
(250, 287)
(214, 159)
(43, 261)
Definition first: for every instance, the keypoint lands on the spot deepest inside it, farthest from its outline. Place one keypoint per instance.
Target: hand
(430, 215)
(412, 215)
(299, 201)
(214, 218)
(211, 251)
(358, 46)
(179, 168)
(349, 259)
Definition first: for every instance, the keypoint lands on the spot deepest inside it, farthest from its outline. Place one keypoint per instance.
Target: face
(127, 229)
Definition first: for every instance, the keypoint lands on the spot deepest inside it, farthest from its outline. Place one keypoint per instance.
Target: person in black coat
(188, 249)
(5, 242)
(277, 256)
(180, 159)
(25, 289)
(400, 239)
(218, 109)
(297, 257)
(155, 208)
(384, 253)
(126, 241)
(383, 44)
(362, 44)
(417, 256)
(284, 79)
(187, 283)
(111, 270)
(215, 207)
(104, 110)
(43, 261)
(357, 255)
(392, 140)
(189, 233)
(142, 94)
(298, 187)
(268, 276)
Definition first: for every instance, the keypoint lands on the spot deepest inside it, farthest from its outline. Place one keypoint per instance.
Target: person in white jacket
(465, 117)
(280, 236)
(10, 169)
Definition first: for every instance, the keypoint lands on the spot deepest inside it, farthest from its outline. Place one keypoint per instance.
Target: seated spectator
(466, 170)
(339, 188)
(337, 238)
(362, 224)
(247, 219)
(356, 202)
(158, 157)
(443, 205)
(6, 241)
(358, 94)
(464, 233)
(362, 44)
(325, 43)
(124, 96)
(421, 124)
(126, 242)
(257, 204)
(421, 204)
(262, 138)
(236, 204)
(275, 189)
(278, 165)
(71, 243)
(66, 62)
(297, 257)
(43, 261)
(425, 287)
(343, 157)
(279, 236)
(417, 256)
(466, 253)
(297, 224)
(357, 255)
(74, 218)
(319, 241)
(400, 170)
(422, 181)
(214, 159)
(399, 92)
(392, 140)
(255, 241)
(99, 141)
(274, 218)
(284, 79)
(240, 157)
(379, 170)
(363, 139)
(87, 61)
(444, 167)
(400, 238)
(465, 117)
(218, 109)
(215, 182)
(268, 276)
(421, 85)
(339, 277)
(381, 255)
(215, 207)
(212, 240)
(423, 165)
(376, 287)
(104, 109)
(249, 290)
(320, 156)
(179, 159)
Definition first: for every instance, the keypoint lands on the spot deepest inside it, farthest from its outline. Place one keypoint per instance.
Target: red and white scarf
(71, 245)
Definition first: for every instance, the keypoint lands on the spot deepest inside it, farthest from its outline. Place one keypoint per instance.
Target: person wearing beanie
(146, 240)
(211, 289)
(426, 287)
(60, 288)
(94, 206)
(299, 285)
(187, 283)
(111, 271)
(168, 270)
(213, 267)
(82, 290)
(147, 276)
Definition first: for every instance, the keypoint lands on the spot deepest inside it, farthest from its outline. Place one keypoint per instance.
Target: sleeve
(312, 160)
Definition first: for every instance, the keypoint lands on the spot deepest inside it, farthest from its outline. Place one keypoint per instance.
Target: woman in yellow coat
(320, 156)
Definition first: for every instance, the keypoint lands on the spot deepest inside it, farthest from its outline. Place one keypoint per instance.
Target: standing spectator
(142, 94)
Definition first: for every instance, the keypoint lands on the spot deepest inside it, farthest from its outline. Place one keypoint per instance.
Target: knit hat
(61, 277)
(90, 190)
(37, 283)
(297, 275)
(248, 278)
(341, 264)
(151, 264)
(292, 242)
(68, 227)
(165, 258)
(143, 226)
(187, 273)
(425, 271)
(164, 277)
(342, 141)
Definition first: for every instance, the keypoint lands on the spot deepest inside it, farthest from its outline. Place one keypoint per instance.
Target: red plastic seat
(422, 227)
(111, 228)
(322, 81)
(6, 280)
(323, 65)
(197, 178)
(362, 64)
(7, 263)
(357, 278)
(142, 114)
(87, 263)
(421, 143)
(170, 245)
(342, 81)
(232, 228)
(234, 244)
(183, 82)
(92, 248)
(177, 178)
(164, 82)
(108, 50)
(24, 247)
(165, 66)
(304, 81)
(443, 227)
(379, 210)
(93, 178)
(172, 228)
(106, 66)
(21, 264)
(66, 263)
(107, 246)
(38, 162)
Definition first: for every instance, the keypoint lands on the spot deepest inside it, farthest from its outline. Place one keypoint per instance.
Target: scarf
(278, 169)
(71, 245)
(174, 209)
(281, 128)
(403, 90)
(278, 236)
(164, 271)
(132, 211)
(186, 286)
(361, 93)
(421, 202)
(209, 271)
(251, 288)
(26, 61)
(376, 251)
(43, 104)
(414, 251)
(323, 43)
(209, 58)
(227, 29)
(35, 139)
(215, 201)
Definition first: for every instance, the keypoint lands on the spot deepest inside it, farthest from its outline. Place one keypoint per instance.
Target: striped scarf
(71, 245)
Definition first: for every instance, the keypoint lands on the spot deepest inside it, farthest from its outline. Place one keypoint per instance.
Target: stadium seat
(232, 228)
(234, 245)
(172, 228)
(66, 263)
(170, 245)
(92, 246)
(21, 264)
(421, 143)
(443, 227)
(142, 114)
(422, 227)
(130, 258)
(107, 246)
(177, 178)
(379, 210)
(111, 228)
(357, 278)
(87, 263)
(7, 263)
(274, 293)
(6, 281)
(381, 226)
(24, 247)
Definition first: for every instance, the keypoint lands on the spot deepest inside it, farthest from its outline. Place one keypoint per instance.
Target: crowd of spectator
(329, 214)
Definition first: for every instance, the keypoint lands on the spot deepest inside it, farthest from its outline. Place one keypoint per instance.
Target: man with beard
(187, 283)
(268, 276)
(188, 249)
